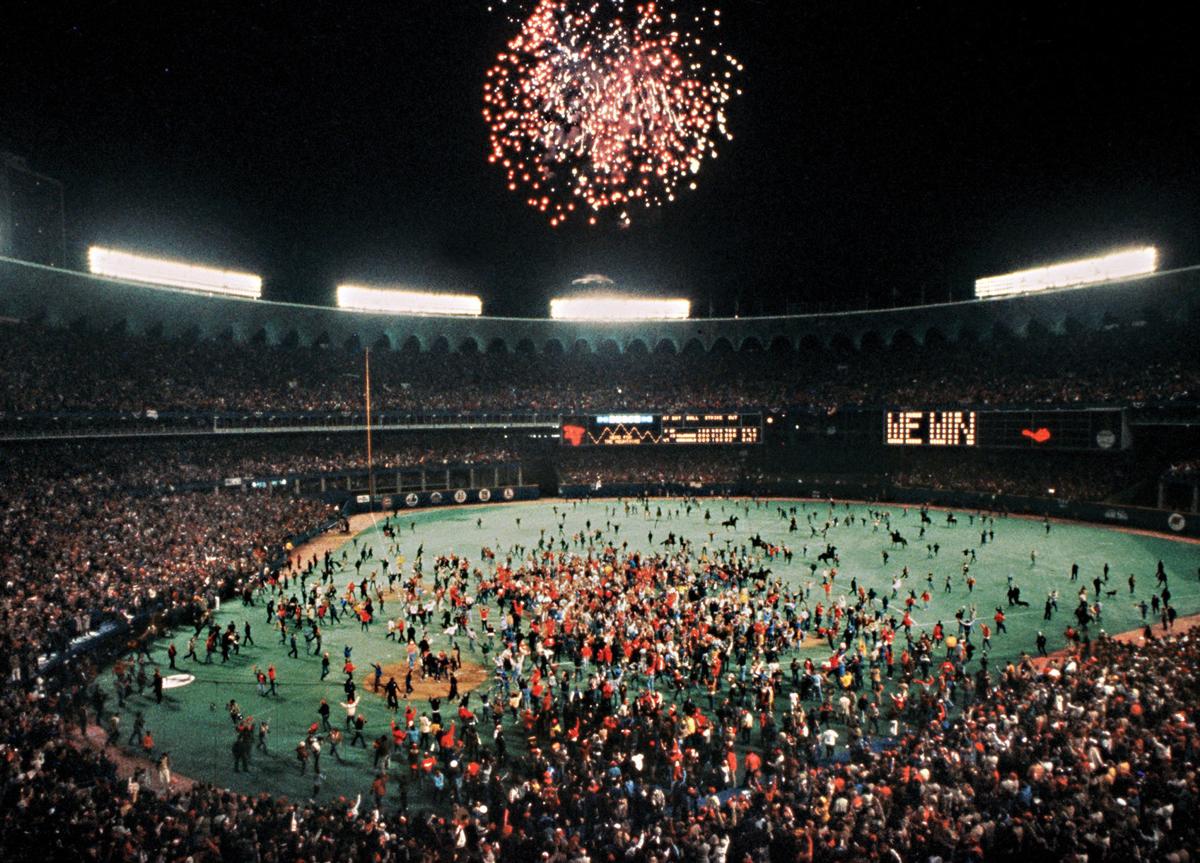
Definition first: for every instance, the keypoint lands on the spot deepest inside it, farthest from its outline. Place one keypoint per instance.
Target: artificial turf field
(193, 726)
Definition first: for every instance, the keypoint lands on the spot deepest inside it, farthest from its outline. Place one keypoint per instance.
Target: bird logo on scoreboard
(1039, 436)
(573, 434)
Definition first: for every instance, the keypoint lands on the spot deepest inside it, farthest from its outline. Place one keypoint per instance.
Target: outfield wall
(415, 500)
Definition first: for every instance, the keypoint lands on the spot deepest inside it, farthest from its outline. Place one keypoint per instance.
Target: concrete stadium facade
(62, 298)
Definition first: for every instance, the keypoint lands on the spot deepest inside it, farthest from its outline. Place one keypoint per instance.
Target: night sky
(882, 151)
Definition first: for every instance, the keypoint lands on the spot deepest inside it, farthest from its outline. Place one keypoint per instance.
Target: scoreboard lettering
(931, 428)
(1100, 429)
(710, 428)
(702, 428)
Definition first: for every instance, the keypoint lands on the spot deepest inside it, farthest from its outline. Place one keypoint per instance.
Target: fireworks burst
(599, 106)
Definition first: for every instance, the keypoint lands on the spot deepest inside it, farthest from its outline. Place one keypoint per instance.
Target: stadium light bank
(128, 266)
(1071, 274)
(615, 308)
(401, 302)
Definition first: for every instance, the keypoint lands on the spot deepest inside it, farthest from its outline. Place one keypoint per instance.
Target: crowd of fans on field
(1091, 757)
(54, 370)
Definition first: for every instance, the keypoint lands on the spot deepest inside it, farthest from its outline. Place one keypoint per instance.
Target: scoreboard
(1066, 429)
(687, 428)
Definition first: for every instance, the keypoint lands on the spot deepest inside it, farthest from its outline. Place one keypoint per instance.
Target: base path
(331, 540)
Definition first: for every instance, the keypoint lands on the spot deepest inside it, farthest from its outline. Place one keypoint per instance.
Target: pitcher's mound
(471, 676)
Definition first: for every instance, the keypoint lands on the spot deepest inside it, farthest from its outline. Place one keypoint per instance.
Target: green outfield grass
(193, 726)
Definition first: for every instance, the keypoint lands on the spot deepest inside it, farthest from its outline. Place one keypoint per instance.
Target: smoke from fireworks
(600, 106)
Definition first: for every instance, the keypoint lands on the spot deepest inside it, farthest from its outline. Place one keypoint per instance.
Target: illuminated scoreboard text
(709, 429)
(1079, 429)
(930, 428)
(681, 429)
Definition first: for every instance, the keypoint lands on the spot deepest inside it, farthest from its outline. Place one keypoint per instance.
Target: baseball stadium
(351, 512)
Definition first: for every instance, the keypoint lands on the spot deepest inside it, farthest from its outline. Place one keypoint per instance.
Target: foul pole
(367, 390)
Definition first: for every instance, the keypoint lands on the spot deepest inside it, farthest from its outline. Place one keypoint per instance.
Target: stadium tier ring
(411, 499)
(436, 497)
(460, 496)
(484, 495)
(509, 494)
(1176, 522)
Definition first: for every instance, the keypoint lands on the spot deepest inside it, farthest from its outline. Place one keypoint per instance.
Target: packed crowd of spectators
(1060, 475)
(49, 370)
(1066, 476)
(75, 552)
(652, 466)
(161, 463)
(166, 464)
(1089, 757)
(76, 556)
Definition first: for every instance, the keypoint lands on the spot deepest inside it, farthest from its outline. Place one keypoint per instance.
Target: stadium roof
(61, 298)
